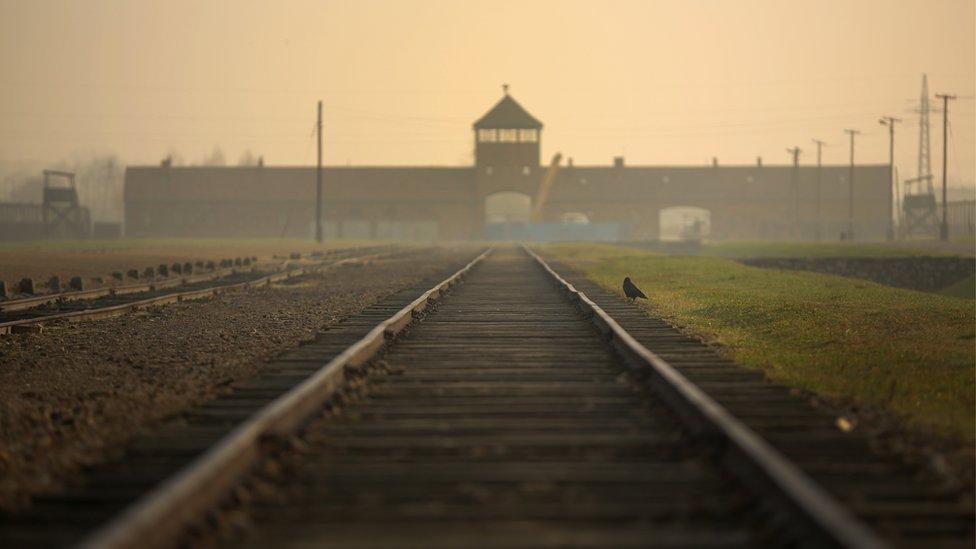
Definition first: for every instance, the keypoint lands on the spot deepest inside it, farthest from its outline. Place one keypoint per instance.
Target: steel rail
(164, 513)
(123, 308)
(754, 461)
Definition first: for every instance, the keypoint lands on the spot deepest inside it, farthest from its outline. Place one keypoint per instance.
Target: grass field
(964, 289)
(757, 249)
(905, 351)
(90, 258)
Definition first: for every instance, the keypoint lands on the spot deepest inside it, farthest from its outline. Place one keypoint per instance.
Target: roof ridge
(507, 113)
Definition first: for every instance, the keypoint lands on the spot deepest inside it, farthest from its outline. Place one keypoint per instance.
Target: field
(750, 249)
(964, 289)
(904, 351)
(99, 258)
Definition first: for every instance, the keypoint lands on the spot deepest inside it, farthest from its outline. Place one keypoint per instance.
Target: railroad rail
(910, 503)
(500, 418)
(99, 303)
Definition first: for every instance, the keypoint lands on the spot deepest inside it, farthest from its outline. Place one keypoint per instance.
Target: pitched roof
(507, 113)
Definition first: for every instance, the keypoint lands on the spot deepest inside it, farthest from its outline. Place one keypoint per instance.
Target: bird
(631, 291)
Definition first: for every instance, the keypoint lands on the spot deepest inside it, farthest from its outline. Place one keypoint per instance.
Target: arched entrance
(684, 223)
(507, 214)
(507, 207)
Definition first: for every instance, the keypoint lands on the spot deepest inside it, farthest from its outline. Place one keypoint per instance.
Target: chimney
(569, 162)
(714, 161)
(759, 162)
(618, 162)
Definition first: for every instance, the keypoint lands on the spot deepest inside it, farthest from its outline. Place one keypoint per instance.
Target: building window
(487, 136)
(508, 136)
(526, 170)
(489, 170)
(528, 136)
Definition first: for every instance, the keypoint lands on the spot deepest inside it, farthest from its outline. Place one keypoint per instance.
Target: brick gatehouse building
(492, 198)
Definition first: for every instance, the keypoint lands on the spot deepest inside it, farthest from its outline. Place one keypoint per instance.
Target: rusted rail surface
(102, 303)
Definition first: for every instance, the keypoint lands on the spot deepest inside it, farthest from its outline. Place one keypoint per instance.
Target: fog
(666, 82)
(96, 86)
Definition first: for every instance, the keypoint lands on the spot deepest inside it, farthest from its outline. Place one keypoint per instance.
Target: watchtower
(507, 138)
(63, 215)
(507, 172)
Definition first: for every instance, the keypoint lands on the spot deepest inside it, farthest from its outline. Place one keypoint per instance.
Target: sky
(658, 82)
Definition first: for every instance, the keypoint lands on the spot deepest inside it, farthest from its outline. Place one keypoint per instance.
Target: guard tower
(507, 170)
(63, 215)
(507, 140)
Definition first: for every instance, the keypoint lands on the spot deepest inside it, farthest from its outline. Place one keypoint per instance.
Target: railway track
(94, 304)
(514, 413)
(906, 503)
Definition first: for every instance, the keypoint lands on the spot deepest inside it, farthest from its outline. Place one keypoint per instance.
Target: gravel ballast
(75, 393)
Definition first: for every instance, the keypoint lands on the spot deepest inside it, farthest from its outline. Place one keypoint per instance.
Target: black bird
(632, 292)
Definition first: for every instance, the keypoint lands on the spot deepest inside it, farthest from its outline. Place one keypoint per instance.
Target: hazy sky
(661, 82)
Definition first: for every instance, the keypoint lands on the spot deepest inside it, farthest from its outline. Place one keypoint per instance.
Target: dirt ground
(89, 259)
(73, 393)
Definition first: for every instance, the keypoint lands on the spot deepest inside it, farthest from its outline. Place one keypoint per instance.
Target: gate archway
(683, 223)
(507, 214)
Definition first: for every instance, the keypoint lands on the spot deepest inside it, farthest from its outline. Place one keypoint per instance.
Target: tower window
(487, 136)
(508, 136)
(528, 136)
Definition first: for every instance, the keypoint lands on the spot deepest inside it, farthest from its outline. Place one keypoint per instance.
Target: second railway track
(503, 419)
(107, 302)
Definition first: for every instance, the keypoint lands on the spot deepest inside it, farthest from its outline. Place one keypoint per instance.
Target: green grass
(964, 289)
(755, 249)
(906, 351)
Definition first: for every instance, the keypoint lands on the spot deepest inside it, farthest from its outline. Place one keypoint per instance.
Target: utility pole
(820, 145)
(890, 122)
(944, 229)
(318, 180)
(850, 188)
(795, 151)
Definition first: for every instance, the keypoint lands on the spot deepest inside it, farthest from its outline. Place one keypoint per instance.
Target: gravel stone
(73, 394)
